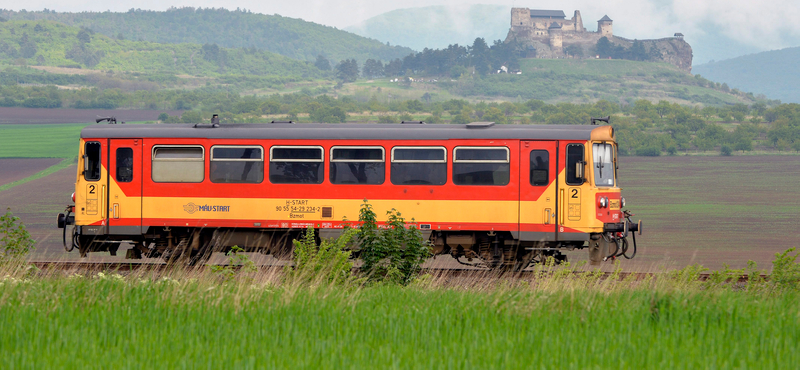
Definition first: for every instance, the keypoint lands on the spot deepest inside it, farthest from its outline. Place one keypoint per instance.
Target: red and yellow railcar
(499, 194)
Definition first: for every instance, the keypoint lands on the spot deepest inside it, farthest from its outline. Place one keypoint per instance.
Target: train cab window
(540, 167)
(603, 164)
(91, 161)
(296, 165)
(365, 165)
(419, 165)
(473, 165)
(124, 165)
(178, 163)
(236, 164)
(574, 157)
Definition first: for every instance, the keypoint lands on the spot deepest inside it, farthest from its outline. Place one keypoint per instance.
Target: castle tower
(578, 21)
(520, 17)
(556, 38)
(604, 27)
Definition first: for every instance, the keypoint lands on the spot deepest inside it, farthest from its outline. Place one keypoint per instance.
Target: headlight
(603, 202)
(622, 202)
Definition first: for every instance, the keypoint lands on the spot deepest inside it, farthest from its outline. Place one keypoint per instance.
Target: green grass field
(40, 141)
(194, 320)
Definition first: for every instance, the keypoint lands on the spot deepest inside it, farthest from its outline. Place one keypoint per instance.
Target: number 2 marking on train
(574, 193)
(91, 189)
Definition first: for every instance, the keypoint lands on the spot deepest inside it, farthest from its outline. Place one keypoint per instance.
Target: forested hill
(772, 73)
(294, 38)
(48, 43)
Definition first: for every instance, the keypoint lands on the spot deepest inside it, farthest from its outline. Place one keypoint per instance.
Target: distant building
(549, 34)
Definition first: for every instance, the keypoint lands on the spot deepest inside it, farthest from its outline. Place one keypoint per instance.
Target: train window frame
(157, 161)
(92, 164)
(402, 162)
(597, 167)
(504, 181)
(212, 159)
(321, 160)
(571, 165)
(124, 170)
(546, 170)
(333, 163)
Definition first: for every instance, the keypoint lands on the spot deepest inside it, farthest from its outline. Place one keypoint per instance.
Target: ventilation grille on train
(327, 212)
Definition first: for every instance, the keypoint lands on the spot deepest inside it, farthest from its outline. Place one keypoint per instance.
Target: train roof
(351, 131)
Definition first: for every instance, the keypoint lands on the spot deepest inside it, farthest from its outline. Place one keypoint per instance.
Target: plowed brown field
(13, 169)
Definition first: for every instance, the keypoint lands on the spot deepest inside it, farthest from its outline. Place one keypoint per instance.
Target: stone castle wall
(573, 41)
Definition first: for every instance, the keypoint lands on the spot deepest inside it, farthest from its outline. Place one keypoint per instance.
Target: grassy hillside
(577, 81)
(291, 37)
(772, 73)
(48, 43)
(436, 27)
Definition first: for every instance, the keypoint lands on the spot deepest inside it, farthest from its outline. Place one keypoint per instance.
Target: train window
(603, 163)
(124, 164)
(473, 165)
(419, 165)
(574, 157)
(236, 164)
(178, 163)
(540, 167)
(91, 161)
(296, 165)
(364, 165)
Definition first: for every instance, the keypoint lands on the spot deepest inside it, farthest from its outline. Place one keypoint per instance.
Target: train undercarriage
(490, 250)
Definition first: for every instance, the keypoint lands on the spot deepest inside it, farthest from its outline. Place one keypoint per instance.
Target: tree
(84, 37)
(663, 108)
(479, 55)
(322, 63)
(574, 50)
(604, 48)
(347, 70)
(637, 51)
(372, 68)
(494, 114)
(393, 68)
(27, 47)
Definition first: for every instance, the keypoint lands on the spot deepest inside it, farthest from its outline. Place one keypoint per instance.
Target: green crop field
(196, 320)
(40, 141)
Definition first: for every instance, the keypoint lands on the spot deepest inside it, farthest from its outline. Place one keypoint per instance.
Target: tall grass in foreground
(269, 319)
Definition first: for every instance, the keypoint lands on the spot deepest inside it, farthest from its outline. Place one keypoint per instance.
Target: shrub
(648, 151)
(395, 253)
(235, 258)
(328, 260)
(15, 240)
(725, 150)
(785, 270)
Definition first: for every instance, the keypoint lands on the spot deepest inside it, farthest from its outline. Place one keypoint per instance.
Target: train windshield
(603, 155)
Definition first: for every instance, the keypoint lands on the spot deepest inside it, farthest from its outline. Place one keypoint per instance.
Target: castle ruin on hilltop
(549, 34)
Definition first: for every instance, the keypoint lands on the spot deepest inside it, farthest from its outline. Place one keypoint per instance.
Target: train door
(573, 194)
(537, 193)
(125, 186)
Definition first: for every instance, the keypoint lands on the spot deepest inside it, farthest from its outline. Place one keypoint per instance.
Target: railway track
(439, 273)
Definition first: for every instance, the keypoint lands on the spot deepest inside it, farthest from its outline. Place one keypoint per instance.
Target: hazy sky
(764, 25)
